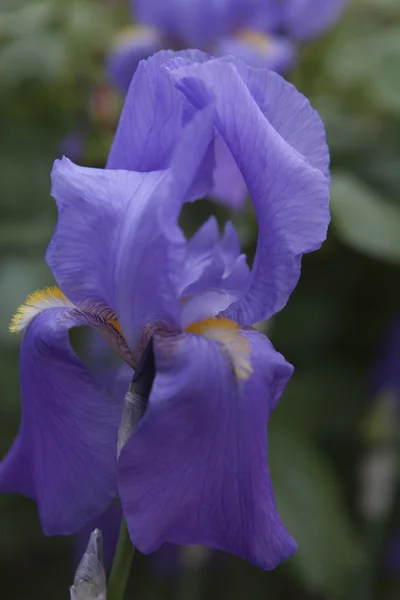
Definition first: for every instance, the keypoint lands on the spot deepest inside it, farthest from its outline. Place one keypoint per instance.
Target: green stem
(189, 584)
(121, 566)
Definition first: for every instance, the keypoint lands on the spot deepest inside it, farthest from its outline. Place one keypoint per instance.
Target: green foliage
(329, 550)
(364, 220)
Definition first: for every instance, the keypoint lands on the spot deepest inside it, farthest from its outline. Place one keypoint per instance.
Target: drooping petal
(284, 176)
(65, 453)
(131, 47)
(195, 471)
(258, 50)
(304, 19)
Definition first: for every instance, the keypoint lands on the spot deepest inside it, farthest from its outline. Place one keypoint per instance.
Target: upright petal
(195, 471)
(204, 264)
(92, 207)
(290, 195)
(229, 185)
(130, 48)
(151, 120)
(65, 453)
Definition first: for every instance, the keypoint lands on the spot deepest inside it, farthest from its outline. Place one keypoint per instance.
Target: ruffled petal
(290, 113)
(289, 192)
(131, 47)
(64, 456)
(195, 470)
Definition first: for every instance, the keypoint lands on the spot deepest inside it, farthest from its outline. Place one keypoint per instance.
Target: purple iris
(195, 470)
(263, 33)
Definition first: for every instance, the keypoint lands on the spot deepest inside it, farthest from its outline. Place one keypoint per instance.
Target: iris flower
(263, 33)
(195, 469)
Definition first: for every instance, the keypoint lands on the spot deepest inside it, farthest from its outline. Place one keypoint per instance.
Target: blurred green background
(327, 427)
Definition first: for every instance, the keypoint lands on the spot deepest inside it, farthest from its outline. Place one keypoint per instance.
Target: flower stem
(121, 566)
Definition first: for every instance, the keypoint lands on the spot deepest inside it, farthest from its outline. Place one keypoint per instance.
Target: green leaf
(365, 221)
(27, 20)
(371, 60)
(310, 505)
(42, 56)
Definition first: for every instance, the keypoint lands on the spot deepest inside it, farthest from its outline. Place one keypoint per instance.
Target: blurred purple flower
(195, 469)
(380, 429)
(73, 144)
(386, 394)
(386, 374)
(393, 555)
(261, 32)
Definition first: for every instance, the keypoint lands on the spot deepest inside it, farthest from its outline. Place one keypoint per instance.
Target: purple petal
(212, 261)
(229, 185)
(284, 174)
(304, 19)
(65, 453)
(204, 265)
(215, 273)
(195, 471)
(258, 50)
(117, 241)
(92, 206)
(151, 120)
(138, 43)
(151, 125)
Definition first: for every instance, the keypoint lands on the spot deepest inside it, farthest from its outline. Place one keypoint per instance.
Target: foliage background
(51, 72)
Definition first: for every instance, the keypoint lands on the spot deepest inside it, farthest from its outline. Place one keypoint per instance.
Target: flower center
(232, 340)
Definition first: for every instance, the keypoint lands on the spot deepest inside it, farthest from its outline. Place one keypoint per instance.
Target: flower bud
(90, 577)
